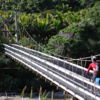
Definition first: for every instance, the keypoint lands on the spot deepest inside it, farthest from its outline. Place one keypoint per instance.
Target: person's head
(93, 58)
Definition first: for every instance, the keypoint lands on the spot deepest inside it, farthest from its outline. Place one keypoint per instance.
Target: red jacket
(92, 66)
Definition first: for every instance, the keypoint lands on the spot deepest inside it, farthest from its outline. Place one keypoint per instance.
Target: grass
(43, 95)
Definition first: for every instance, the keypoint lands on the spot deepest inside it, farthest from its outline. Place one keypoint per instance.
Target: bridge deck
(66, 75)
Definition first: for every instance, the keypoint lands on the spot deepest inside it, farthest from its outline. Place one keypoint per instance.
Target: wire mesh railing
(64, 63)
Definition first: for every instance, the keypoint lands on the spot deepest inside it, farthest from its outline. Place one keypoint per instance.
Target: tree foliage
(87, 30)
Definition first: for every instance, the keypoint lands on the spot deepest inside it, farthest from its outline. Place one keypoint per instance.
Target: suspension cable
(85, 58)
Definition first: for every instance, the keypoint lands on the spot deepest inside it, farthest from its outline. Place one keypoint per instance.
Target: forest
(65, 28)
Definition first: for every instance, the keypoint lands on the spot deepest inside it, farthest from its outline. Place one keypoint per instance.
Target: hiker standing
(96, 70)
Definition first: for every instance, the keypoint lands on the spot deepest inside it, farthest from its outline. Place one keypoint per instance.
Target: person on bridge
(96, 70)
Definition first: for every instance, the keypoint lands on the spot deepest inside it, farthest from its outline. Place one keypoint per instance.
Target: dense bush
(56, 45)
(67, 47)
(42, 5)
(85, 3)
(87, 30)
(41, 26)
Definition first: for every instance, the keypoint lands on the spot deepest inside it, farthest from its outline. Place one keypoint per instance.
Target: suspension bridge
(66, 75)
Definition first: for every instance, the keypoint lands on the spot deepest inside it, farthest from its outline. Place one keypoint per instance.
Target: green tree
(56, 45)
(85, 3)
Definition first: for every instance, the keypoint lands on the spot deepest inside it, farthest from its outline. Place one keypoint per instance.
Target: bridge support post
(50, 83)
(57, 87)
(68, 96)
(73, 98)
(45, 80)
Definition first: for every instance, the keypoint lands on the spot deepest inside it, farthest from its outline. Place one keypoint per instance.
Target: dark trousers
(94, 77)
